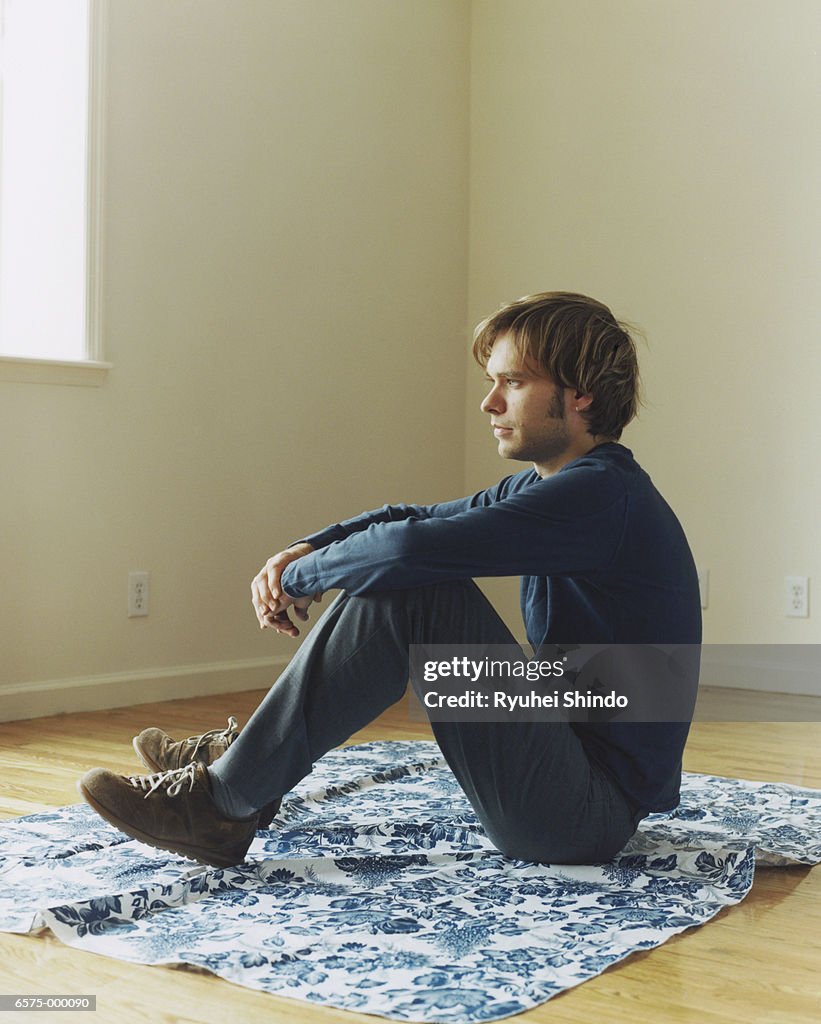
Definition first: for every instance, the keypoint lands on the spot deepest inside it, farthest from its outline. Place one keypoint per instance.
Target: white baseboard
(143, 686)
(770, 668)
(774, 675)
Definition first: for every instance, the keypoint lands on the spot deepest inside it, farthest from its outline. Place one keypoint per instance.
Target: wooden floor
(756, 963)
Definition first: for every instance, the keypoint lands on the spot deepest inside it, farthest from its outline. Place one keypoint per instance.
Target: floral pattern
(376, 890)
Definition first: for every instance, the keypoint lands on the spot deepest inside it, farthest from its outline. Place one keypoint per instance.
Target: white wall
(664, 158)
(284, 305)
(288, 266)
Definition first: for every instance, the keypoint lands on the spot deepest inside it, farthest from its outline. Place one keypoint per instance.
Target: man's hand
(280, 620)
(270, 601)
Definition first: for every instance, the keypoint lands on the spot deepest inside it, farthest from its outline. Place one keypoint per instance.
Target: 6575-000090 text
(36, 1002)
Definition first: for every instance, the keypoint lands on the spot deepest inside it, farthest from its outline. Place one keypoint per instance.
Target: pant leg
(531, 784)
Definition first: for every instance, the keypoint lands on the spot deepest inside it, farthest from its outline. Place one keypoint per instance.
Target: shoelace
(225, 735)
(172, 780)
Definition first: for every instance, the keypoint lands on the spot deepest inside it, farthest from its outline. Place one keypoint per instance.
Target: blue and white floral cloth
(377, 891)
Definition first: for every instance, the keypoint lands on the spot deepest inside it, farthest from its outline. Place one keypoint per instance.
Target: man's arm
(271, 603)
(400, 513)
(567, 524)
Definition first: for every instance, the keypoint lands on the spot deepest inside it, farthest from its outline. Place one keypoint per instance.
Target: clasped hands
(271, 603)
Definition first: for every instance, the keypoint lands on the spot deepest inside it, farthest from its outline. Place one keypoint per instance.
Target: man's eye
(511, 381)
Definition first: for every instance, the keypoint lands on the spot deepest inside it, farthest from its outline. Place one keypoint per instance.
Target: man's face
(527, 410)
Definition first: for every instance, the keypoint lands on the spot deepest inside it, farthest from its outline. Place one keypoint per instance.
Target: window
(49, 189)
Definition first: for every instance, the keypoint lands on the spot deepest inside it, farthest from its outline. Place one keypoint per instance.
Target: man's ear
(582, 402)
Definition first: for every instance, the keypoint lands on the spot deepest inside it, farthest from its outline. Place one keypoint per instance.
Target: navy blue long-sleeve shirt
(603, 560)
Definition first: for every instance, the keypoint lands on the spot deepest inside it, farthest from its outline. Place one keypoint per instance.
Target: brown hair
(577, 342)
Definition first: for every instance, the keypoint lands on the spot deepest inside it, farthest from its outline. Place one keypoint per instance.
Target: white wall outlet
(704, 585)
(137, 594)
(797, 597)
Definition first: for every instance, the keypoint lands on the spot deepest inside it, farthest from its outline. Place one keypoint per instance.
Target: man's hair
(577, 342)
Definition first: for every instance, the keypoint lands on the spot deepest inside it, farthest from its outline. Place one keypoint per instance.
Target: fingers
(266, 591)
(281, 622)
(264, 605)
(301, 606)
(273, 572)
(259, 601)
(277, 563)
(269, 599)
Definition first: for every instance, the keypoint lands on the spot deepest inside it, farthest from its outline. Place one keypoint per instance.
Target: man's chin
(509, 451)
(520, 453)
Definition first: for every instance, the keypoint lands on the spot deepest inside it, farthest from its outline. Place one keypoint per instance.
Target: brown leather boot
(160, 753)
(173, 811)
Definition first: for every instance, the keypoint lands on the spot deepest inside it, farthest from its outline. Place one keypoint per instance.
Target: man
(603, 560)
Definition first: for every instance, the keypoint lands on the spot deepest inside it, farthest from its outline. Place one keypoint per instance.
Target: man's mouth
(499, 430)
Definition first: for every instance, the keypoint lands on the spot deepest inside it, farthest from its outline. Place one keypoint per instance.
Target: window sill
(22, 370)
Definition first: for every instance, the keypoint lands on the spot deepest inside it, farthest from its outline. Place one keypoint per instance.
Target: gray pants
(531, 784)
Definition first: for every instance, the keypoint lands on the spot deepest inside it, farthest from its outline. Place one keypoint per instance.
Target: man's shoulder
(518, 481)
(603, 475)
(610, 457)
(505, 488)
(608, 465)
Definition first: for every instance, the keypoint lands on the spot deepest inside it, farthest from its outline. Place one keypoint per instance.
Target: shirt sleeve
(567, 524)
(400, 513)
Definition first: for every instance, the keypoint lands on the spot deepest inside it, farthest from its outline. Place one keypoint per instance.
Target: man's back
(641, 588)
(638, 582)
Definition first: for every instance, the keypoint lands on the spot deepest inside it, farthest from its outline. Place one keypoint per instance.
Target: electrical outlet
(704, 585)
(137, 594)
(797, 597)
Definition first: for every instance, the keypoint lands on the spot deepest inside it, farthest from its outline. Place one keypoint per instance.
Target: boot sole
(195, 853)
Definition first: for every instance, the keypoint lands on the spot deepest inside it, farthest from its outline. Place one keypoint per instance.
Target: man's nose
(492, 402)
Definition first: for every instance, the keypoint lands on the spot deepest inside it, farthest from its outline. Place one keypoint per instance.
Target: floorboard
(758, 962)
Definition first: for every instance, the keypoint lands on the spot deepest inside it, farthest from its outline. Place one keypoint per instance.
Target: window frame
(92, 371)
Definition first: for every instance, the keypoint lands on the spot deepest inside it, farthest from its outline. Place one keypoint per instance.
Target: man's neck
(570, 454)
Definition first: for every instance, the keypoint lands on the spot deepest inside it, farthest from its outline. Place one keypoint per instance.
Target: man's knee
(413, 600)
(405, 594)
